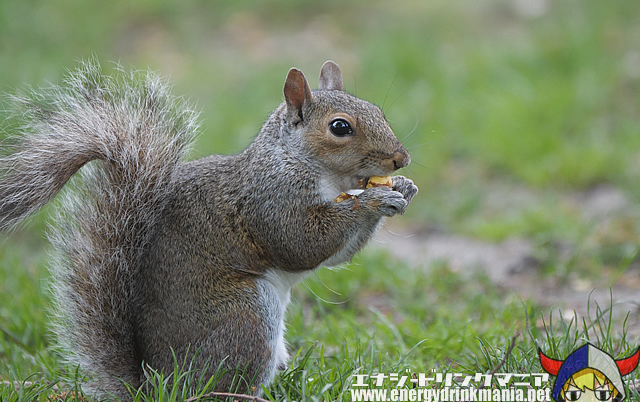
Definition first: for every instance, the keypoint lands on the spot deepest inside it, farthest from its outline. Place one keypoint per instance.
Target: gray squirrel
(158, 257)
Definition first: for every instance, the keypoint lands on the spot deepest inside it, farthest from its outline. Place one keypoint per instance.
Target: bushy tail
(136, 133)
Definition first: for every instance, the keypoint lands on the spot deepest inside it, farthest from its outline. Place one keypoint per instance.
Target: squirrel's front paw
(385, 201)
(406, 187)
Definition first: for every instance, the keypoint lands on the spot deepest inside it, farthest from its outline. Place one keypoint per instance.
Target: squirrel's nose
(401, 158)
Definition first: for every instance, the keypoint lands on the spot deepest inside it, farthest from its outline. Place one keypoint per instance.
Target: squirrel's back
(134, 133)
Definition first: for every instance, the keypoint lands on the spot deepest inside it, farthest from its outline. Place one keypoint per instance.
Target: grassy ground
(488, 96)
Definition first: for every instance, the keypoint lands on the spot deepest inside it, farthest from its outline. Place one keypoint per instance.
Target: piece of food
(344, 196)
(380, 181)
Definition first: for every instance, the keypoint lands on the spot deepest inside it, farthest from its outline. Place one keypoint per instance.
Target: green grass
(361, 319)
(491, 103)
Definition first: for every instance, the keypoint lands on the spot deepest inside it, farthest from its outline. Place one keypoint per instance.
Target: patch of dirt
(512, 265)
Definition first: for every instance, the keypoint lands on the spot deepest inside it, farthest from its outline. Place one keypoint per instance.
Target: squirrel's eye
(340, 127)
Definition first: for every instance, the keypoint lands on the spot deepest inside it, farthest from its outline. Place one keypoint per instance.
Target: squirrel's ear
(296, 92)
(330, 77)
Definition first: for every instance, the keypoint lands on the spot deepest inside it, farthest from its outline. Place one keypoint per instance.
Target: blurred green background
(541, 92)
(513, 110)
(535, 98)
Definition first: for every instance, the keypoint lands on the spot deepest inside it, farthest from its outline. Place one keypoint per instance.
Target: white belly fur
(275, 286)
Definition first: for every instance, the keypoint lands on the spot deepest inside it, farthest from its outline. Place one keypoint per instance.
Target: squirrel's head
(346, 135)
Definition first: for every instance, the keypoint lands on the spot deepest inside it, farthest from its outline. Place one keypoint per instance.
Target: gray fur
(198, 257)
(135, 133)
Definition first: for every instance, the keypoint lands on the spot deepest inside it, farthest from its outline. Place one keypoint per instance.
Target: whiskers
(414, 146)
(415, 126)
(389, 90)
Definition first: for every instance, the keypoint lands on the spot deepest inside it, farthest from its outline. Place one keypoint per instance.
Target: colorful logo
(589, 374)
